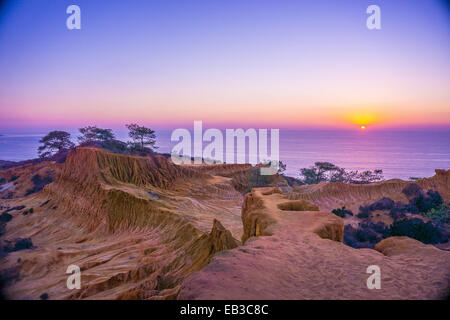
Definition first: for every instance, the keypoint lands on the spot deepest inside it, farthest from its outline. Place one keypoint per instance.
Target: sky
(251, 63)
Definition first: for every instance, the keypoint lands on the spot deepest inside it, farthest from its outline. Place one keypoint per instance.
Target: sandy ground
(296, 263)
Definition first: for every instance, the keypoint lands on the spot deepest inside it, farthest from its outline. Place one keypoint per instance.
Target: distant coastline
(399, 154)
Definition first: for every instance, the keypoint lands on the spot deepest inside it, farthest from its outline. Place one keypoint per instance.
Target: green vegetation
(53, 143)
(440, 214)
(342, 212)
(417, 229)
(58, 143)
(13, 178)
(328, 172)
(38, 183)
(142, 137)
(91, 134)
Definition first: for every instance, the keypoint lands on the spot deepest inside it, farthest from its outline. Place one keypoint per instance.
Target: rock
(221, 239)
(290, 255)
(131, 245)
(298, 205)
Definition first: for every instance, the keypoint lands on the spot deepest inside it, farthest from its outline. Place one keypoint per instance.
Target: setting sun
(361, 116)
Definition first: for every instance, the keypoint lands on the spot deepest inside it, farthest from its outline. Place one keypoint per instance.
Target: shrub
(5, 217)
(13, 178)
(425, 203)
(399, 210)
(412, 190)
(342, 212)
(364, 212)
(39, 183)
(44, 296)
(440, 214)
(435, 198)
(382, 204)
(349, 236)
(328, 172)
(44, 203)
(366, 235)
(419, 230)
(18, 244)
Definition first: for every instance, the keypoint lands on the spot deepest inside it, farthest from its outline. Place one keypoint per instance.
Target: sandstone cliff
(118, 218)
(144, 228)
(329, 196)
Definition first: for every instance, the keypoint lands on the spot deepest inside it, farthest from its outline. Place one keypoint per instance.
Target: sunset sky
(250, 63)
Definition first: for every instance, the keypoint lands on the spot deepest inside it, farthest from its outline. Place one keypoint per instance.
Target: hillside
(145, 228)
(120, 219)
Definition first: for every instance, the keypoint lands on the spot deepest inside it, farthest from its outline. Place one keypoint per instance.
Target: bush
(13, 178)
(425, 203)
(399, 210)
(39, 183)
(419, 202)
(5, 217)
(412, 190)
(18, 244)
(440, 214)
(366, 235)
(328, 172)
(364, 212)
(419, 230)
(382, 204)
(44, 203)
(342, 212)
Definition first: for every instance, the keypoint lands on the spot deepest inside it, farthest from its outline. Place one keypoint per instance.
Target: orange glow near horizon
(224, 110)
(363, 118)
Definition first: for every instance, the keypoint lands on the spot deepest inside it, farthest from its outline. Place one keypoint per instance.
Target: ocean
(400, 154)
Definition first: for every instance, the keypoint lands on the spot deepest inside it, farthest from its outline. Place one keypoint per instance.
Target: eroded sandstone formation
(144, 228)
(300, 255)
(120, 219)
